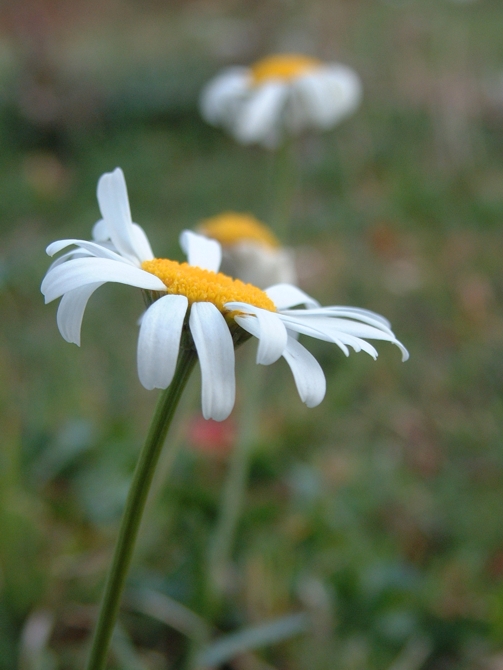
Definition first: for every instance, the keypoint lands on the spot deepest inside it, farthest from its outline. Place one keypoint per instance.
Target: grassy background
(381, 509)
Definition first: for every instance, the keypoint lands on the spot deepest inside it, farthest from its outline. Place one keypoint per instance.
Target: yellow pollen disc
(231, 228)
(200, 285)
(282, 66)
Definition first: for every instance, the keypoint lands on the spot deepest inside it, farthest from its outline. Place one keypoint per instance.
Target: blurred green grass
(380, 510)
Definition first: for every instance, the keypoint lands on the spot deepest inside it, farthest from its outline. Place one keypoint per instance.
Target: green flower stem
(135, 505)
(284, 181)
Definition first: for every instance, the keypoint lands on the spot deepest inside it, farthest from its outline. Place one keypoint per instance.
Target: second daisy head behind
(279, 95)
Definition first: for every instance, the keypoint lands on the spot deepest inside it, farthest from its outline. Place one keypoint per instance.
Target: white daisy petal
(114, 205)
(307, 103)
(305, 327)
(100, 231)
(343, 330)
(75, 253)
(159, 341)
(270, 331)
(355, 313)
(71, 311)
(307, 372)
(345, 88)
(142, 245)
(219, 96)
(259, 115)
(286, 295)
(323, 97)
(93, 248)
(215, 350)
(82, 271)
(201, 251)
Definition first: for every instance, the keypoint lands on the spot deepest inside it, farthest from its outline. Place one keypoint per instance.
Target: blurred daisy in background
(195, 305)
(278, 95)
(250, 250)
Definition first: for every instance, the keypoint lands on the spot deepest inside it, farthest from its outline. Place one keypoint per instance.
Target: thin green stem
(135, 505)
(284, 181)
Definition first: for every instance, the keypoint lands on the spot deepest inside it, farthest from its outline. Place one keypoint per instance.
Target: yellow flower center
(282, 66)
(200, 285)
(231, 228)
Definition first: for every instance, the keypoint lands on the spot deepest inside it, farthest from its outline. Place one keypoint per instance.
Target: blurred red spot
(215, 438)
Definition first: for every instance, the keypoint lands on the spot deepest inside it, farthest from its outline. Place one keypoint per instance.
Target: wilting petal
(71, 311)
(286, 295)
(159, 341)
(82, 271)
(215, 350)
(307, 372)
(201, 251)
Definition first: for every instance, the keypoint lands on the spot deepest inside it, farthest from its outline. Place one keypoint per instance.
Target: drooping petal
(93, 248)
(259, 115)
(215, 350)
(267, 327)
(307, 372)
(305, 327)
(342, 330)
(363, 330)
(364, 315)
(201, 251)
(159, 341)
(218, 97)
(286, 295)
(82, 271)
(71, 311)
(114, 205)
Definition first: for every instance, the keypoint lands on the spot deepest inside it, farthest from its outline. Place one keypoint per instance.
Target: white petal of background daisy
(217, 308)
(250, 250)
(283, 93)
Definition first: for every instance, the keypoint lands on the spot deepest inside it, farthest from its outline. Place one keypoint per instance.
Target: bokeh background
(379, 512)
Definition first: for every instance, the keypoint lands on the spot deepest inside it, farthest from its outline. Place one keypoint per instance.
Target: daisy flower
(193, 304)
(250, 250)
(283, 93)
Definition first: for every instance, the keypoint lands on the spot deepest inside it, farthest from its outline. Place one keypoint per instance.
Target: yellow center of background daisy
(200, 285)
(282, 66)
(231, 228)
